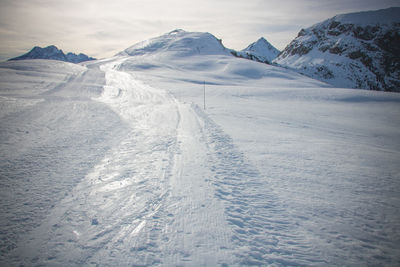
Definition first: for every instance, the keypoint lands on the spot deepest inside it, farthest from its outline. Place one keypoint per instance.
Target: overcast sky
(101, 28)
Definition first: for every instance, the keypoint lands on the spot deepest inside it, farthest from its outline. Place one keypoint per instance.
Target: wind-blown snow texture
(357, 50)
(115, 163)
(52, 52)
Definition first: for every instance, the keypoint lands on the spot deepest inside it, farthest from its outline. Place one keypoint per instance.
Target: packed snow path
(104, 169)
(172, 189)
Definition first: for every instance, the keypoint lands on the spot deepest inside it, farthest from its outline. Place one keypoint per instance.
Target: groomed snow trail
(105, 212)
(170, 189)
(154, 197)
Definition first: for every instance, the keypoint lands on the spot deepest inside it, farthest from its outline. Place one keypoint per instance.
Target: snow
(379, 17)
(262, 50)
(178, 41)
(52, 52)
(115, 162)
(343, 71)
(347, 50)
(383, 18)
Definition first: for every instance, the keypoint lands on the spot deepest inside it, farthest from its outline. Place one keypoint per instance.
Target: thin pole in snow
(204, 86)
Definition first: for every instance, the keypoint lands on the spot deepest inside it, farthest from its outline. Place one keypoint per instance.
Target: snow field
(115, 163)
(328, 172)
(46, 147)
(113, 203)
(324, 160)
(150, 199)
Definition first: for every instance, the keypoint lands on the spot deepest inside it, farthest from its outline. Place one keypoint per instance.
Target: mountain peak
(262, 40)
(261, 44)
(179, 43)
(261, 51)
(177, 31)
(52, 52)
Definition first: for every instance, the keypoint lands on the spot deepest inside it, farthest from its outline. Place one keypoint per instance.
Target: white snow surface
(116, 163)
(378, 17)
(178, 42)
(260, 50)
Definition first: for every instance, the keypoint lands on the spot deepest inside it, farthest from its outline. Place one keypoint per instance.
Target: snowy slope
(261, 51)
(357, 50)
(116, 163)
(52, 52)
(179, 42)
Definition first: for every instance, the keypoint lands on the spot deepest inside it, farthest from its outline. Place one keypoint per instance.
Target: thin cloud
(93, 26)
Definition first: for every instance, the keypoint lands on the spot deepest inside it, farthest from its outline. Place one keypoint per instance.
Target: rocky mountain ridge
(52, 52)
(357, 50)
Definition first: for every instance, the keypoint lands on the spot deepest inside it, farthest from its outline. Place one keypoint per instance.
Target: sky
(102, 28)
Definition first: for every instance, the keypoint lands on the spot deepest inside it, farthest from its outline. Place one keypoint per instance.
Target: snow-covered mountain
(52, 52)
(356, 50)
(261, 51)
(179, 42)
(74, 58)
(183, 43)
